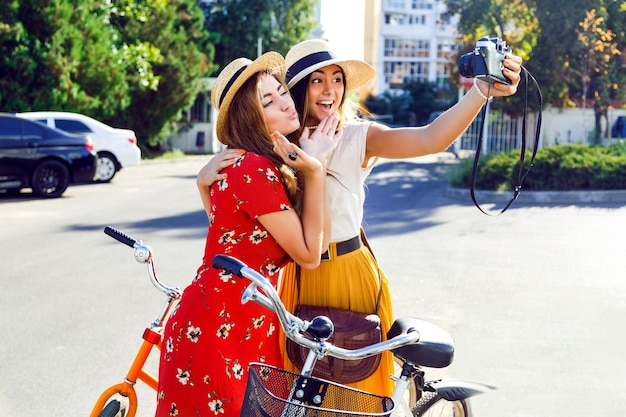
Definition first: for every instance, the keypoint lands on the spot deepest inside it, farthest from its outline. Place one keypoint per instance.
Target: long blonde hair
(246, 128)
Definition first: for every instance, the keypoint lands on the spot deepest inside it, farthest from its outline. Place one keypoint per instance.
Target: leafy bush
(556, 168)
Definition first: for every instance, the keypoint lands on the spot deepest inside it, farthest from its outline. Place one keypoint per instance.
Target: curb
(562, 197)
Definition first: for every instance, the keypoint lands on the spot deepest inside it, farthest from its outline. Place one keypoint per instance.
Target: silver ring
(292, 155)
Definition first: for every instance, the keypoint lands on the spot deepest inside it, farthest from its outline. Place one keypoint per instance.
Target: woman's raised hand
(294, 156)
(321, 143)
(512, 69)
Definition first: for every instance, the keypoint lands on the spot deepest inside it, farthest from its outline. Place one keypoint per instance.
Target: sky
(342, 22)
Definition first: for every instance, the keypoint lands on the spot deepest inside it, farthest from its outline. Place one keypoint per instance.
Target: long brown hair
(246, 129)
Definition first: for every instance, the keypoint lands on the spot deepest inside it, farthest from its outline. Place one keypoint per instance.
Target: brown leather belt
(344, 247)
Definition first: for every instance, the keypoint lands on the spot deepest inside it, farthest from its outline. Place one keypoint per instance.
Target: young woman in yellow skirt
(349, 276)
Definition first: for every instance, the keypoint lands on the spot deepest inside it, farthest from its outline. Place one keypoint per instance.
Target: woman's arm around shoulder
(211, 172)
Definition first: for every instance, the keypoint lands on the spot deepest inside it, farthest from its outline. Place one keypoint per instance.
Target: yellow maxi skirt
(350, 281)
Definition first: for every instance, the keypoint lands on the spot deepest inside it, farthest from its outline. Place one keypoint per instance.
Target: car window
(10, 129)
(72, 126)
(33, 131)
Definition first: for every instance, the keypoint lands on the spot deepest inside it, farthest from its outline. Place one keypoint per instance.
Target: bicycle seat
(434, 349)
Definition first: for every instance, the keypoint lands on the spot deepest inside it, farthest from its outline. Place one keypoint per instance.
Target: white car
(116, 148)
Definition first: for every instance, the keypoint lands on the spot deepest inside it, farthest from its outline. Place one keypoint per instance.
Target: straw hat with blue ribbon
(234, 75)
(313, 54)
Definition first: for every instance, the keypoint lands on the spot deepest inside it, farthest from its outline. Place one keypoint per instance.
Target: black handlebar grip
(229, 264)
(119, 236)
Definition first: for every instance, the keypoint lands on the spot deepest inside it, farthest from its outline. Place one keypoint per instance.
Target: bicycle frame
(403, 340)
(435, 349)
(151, 337)
(136, 372)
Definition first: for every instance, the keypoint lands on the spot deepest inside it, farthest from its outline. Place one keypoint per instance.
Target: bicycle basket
(275, 392)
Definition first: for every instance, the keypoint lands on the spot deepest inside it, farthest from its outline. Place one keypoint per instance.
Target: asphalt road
(535, 298)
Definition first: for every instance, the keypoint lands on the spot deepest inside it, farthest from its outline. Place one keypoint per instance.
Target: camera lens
(466, 65)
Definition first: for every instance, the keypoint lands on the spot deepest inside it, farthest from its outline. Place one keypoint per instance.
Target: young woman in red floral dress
(259, 214)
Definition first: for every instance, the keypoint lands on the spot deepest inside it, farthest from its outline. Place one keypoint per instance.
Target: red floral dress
(211, 337)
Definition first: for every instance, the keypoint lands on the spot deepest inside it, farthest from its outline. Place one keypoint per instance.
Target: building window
(395, 19)
(395, 4)
(421, 4)
(398, 19)
(445, 50)
(410, 48)
(397, 74)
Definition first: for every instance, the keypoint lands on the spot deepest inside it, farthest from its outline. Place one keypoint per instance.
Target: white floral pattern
(210, 337)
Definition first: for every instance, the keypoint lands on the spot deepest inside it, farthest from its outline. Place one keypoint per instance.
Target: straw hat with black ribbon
(234, 75)
(308, 56)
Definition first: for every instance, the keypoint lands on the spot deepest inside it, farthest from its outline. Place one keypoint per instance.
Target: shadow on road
(401, 195)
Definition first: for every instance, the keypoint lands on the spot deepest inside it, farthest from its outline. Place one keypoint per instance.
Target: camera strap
(521, 173)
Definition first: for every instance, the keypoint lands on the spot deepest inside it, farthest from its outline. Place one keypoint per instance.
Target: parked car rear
(116, 148)
(619, 127)
(44, 159)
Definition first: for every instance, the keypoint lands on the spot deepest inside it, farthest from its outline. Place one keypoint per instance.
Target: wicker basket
(275, 392)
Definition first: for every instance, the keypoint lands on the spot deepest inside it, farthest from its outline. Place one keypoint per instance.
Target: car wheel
(107, 167)
(50, 179)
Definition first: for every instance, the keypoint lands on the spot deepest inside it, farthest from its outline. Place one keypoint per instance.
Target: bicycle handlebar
(143, 254)
(293, 326)
(120, 237)
(290, 323)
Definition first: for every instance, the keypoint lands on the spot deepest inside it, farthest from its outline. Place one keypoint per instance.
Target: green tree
(545, 33)
(57, 55)
(428, 97)
(562, 60)
(236, 26)
(557, 41)
(591, 65)
(513, 21)
(177, 33)
(131, 63)
(392, 109)
(616, 22)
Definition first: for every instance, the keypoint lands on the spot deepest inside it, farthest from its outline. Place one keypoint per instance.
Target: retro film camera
(485, 61)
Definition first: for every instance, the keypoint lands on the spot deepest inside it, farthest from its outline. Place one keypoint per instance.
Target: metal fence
(503, 133)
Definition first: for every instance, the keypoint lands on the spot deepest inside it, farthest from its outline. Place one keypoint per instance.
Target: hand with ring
(323, 140)
(294, 156)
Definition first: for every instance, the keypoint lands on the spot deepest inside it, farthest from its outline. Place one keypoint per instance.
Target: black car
(619, 128)
(45, 159)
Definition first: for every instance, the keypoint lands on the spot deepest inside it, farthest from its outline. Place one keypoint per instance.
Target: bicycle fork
(126, 388)
(151, 335)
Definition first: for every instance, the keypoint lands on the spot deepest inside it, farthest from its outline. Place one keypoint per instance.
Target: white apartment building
(407, 40)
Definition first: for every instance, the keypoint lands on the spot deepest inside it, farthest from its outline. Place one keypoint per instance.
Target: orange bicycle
(415, 343)
(121, 399)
